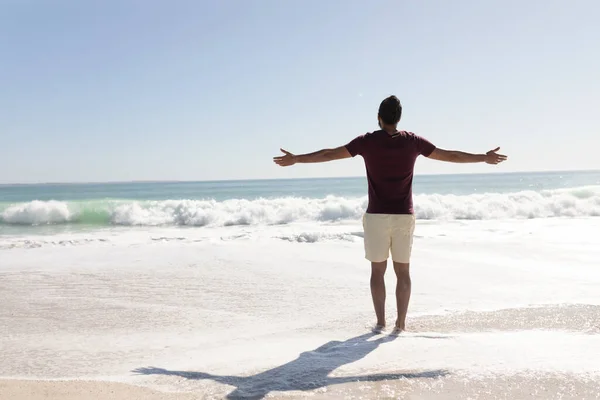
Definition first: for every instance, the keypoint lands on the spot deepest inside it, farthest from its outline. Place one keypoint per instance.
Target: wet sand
(545, 387)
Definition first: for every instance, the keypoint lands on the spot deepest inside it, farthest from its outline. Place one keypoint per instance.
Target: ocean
(254, 289)
(230, 203)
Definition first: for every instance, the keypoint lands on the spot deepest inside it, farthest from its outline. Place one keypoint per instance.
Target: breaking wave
(575, 202)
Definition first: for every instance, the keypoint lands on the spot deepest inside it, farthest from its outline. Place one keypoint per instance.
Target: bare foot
(378, 328)
(397, 331)
(399, 328)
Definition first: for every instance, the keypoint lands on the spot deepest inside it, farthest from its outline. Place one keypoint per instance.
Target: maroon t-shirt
(390, 161)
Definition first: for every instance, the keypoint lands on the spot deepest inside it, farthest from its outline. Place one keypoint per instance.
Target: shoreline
(505, 312)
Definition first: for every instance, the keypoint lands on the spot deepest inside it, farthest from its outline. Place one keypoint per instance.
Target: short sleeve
(424, 146)
(356, 146)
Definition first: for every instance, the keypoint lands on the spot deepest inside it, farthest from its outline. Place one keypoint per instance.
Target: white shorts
(388, 232)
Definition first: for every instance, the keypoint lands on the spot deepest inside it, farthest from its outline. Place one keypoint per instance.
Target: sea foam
(575, 202)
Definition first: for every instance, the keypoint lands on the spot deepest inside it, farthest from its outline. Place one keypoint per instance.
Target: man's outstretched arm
(491, 157)
(317, 157)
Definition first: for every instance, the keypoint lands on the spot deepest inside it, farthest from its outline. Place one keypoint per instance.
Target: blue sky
(195, 90)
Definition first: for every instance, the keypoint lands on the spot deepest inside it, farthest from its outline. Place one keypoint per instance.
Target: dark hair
(390, 110)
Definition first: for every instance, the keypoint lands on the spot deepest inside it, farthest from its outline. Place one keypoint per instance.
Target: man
(389, 222)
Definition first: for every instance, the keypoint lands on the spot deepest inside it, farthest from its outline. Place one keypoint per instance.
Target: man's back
(389, 222)
(390, 161)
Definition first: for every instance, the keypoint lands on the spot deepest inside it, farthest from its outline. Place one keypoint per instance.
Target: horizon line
(282, 179)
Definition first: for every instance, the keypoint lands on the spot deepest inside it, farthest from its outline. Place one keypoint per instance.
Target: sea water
(259, 202)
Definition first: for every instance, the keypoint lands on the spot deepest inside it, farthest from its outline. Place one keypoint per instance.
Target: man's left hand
(286, 160)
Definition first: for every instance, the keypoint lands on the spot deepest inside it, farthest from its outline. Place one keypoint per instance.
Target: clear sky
(194, 90)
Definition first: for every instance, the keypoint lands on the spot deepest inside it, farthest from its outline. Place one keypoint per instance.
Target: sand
(546, 387)
(80, 390)
(409, 384)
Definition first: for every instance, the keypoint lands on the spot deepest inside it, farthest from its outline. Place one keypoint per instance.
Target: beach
(185, 190)
(501, 308)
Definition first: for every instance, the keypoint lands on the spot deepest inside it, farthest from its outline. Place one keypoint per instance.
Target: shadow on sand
(307, 372)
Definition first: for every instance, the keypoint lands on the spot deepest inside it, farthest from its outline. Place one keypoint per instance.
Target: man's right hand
(492, 157)
(317, 157)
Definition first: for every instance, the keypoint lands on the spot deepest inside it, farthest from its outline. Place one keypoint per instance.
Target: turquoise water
(463, 184)
(55, 207)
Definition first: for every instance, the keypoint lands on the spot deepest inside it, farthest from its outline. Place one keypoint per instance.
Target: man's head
(390, 111)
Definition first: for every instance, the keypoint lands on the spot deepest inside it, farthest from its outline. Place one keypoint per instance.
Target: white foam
(576, 202)
(37, 212)
(238, 212)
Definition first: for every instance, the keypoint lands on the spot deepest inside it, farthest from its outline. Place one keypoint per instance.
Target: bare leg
(403, 288)
(378, 290)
